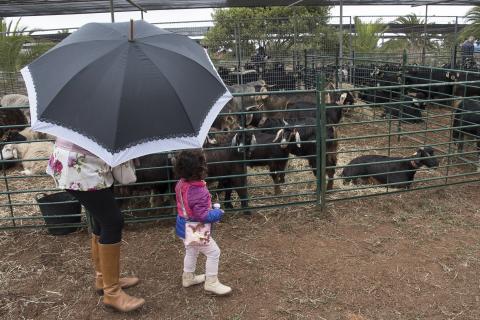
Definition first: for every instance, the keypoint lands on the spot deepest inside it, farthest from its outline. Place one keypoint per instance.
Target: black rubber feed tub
(51, 211)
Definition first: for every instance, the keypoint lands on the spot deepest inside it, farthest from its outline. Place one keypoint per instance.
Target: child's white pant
(211, 251)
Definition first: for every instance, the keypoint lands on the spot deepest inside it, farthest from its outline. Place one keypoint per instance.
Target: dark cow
(273, 156)
(410, 110)
(237, 104)
(257, 119)
(417, 75)
(11, 117)
(460, 89)
(279, 79)
(225, 166)
(301, 136)
(334, 112)
(154, 177)
(375, 169)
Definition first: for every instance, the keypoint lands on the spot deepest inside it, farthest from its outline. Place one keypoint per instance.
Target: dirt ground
(403, 256)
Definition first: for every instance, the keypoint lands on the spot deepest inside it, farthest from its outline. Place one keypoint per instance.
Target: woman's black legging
(105, 212)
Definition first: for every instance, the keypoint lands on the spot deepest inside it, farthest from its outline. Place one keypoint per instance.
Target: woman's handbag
(125, 172)
(196, 233)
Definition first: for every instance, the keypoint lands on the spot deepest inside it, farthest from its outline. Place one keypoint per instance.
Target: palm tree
(34, 50)
(414, 39)
(473, 29)
(367, 35)
(12, 39)
(411, 38)
(13, 54)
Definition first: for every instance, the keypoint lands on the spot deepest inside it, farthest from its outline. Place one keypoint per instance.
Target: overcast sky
(48, 22)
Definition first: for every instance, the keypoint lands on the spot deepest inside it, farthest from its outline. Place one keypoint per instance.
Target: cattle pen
(398, 108)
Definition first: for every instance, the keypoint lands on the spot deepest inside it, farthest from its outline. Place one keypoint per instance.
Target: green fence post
(5, 179)
(321, 136)
(389, 151)
(237, 52)
(337, 81)
(295, 36)
(305, 66)
(243, 122)
(453, 51)
(402, 94)
(169, 185)
(429, 97)
(351, 67)
(450, 141)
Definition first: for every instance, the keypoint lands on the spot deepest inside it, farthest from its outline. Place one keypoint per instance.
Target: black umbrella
(123, 94)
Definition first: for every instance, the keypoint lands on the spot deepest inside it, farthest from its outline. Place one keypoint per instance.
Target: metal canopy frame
(15, 8)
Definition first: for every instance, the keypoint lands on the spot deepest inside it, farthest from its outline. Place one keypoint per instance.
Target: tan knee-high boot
(113, 295)
(124, 282)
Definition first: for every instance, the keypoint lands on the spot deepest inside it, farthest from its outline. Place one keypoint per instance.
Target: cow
(237, 104)
(301, 135)
(278, 79)
(377, 169)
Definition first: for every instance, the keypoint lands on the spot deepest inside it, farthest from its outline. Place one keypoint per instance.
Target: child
(191, 190)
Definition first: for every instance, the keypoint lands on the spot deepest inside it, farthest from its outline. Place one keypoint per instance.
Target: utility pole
(112, 11)
(340, 33)
(425, 35)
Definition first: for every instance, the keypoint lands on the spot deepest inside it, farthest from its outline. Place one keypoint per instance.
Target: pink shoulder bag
(196, 233)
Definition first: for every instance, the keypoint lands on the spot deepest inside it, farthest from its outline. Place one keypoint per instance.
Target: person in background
(220, 54)
(89, 179)
(468, 48)
(194, 204)
(259, 59)
(476, 51)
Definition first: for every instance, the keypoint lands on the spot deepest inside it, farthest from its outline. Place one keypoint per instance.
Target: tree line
(277, 29)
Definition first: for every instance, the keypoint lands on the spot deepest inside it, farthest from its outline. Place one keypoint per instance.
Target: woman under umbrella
(111, 94)
(89, 179)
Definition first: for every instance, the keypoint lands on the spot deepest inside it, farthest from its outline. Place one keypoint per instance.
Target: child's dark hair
(191, 165)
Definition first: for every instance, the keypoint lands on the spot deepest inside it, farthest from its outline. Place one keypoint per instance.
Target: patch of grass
(238, 315)
(399, 220)
(285, 227)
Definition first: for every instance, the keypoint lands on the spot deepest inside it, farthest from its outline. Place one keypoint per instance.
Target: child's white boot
(190, 279)
(214, 286)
